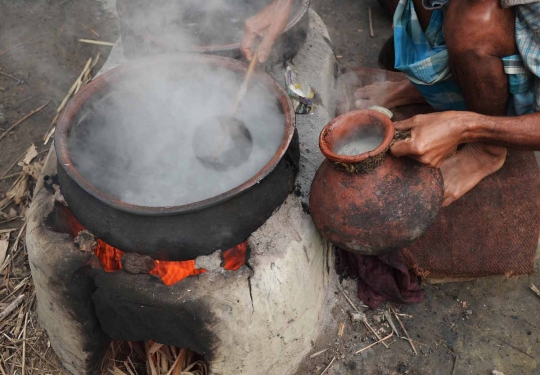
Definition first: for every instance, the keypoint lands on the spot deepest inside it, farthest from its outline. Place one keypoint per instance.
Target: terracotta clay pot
(371, 203)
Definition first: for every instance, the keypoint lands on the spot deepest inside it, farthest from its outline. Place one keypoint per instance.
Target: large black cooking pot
(180, 232)
(150, 27)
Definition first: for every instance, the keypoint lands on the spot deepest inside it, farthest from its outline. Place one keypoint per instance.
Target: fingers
(369, 91)
(363, 93)
(403, 125)
(363, 104)
(447, 201)
(247, 43)
(250, 38)
(449, 197)
(408, 147)
(402, 148)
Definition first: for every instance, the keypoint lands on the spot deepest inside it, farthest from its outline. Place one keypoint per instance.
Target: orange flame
(170, 272)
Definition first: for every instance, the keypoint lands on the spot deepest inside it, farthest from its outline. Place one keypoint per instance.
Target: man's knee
(479, 28)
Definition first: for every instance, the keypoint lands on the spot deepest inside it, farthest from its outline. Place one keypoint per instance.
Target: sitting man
(477, 62)
(471, 56)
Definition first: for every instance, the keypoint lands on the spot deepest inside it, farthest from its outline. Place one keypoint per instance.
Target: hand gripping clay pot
(371, 202)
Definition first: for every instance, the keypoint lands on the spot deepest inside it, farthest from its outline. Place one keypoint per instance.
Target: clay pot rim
(389, 132)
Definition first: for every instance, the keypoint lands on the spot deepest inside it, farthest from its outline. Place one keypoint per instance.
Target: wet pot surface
(379, 211)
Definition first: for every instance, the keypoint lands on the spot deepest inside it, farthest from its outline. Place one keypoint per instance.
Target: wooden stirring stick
(239, 98)
(245, 84)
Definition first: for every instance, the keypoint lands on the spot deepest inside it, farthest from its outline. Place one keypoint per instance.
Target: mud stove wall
(260, 319)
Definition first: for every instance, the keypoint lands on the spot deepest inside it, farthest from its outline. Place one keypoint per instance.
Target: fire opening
(170, 272)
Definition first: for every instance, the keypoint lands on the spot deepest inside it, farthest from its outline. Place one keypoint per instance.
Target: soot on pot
(134, 142)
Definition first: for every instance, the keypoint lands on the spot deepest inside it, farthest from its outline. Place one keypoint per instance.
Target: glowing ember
(170, 272)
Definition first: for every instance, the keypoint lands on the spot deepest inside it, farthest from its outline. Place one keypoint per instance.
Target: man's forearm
(521, 132)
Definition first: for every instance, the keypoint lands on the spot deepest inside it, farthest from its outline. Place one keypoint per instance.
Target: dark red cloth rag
(380, 278)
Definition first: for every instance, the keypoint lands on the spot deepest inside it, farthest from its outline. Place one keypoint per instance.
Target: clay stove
(260, 318)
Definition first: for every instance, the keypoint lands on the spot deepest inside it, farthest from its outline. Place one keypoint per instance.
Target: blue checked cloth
(528, 43)
(423, 57)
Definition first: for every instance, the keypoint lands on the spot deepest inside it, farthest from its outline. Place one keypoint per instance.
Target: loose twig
(81, 80)
(24, 346)
(329, 365)
(9, 176)
(43, 358)
(92, 31)
(404, 330)
(16, 243)
(388, 317)
(370, 328)
(16, 46)
(12, 165)
(371, 33)
(9, 230)
(455, 365)
(23, 119)
(12, 306)
(515, 347)
(349, 300)
(318, 353)
(534, 289)
(375, 343)
(12, 77)
(98, 42)
(341, 329)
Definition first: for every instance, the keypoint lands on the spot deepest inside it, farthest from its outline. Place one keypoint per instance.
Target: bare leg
(478, 33)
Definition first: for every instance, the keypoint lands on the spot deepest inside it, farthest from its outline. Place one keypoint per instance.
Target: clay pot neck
(357, 136)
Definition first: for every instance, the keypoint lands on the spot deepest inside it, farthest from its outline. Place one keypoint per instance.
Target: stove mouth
(112, 259)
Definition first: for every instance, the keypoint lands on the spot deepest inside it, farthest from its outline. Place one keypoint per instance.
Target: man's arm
(268, 24)
(434, 137)
(521, 132)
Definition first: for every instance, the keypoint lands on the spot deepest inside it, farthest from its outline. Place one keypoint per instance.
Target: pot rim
(103, 82)
(356, 119)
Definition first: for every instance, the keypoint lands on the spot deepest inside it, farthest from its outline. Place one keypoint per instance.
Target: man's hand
(434, 137)
(388, 94)
(378, 93)
(268, 24)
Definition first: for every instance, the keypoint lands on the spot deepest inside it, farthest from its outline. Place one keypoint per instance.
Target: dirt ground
(461, 328)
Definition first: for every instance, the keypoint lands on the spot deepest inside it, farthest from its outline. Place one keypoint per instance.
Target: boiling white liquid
(138, 146)
(358, 146)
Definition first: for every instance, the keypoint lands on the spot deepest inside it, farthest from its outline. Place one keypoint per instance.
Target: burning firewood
(85, 241)
(135, 263)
